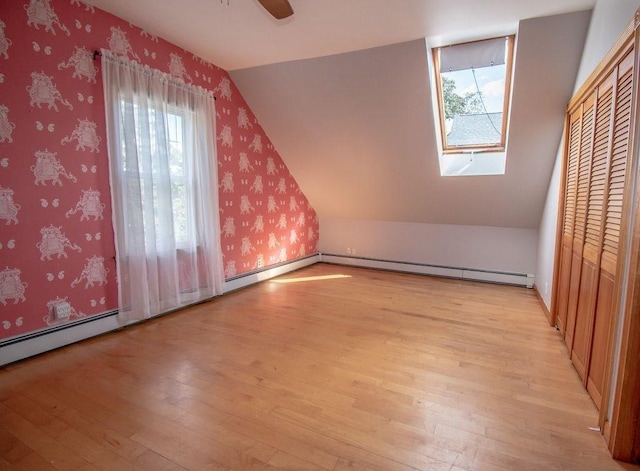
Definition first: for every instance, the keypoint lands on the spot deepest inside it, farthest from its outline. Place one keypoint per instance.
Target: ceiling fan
(279, 9)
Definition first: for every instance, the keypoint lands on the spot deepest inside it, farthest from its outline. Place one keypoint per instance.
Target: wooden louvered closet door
(581, 198)
(597, 136)
(612, 219)
(573, 151)
(588, 289)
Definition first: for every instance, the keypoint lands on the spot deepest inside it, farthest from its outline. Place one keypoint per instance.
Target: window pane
(180, 219)
(473, 101)
(473, 78)
(178, 172)
(145, 176)
(176, 145)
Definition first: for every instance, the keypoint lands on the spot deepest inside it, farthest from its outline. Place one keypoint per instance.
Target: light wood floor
(372, 371)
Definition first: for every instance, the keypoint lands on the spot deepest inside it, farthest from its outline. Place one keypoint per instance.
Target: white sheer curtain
(163, 173)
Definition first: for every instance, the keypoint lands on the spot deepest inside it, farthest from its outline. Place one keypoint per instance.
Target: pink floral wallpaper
(56, 238)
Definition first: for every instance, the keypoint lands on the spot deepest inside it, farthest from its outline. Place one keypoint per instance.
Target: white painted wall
(547, 236)
(479, 247)
(357, 130)
(608, 20)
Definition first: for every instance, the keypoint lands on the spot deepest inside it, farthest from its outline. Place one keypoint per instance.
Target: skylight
(473, 85)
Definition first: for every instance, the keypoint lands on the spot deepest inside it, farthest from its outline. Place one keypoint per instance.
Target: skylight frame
(475, 148)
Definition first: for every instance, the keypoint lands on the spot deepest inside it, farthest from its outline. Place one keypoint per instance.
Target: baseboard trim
(544, 307)
(471, 274)
(35, 343)
(248, 279)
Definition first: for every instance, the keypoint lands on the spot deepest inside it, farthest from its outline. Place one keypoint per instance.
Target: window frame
(475, 148)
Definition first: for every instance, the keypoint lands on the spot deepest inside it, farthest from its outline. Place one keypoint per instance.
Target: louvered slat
(622, 120)
(599, 168)
(572, 174)
(584, 166)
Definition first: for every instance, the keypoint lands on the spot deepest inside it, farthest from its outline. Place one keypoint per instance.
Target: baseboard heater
(472, 274)
(40, 341)
(261, 274)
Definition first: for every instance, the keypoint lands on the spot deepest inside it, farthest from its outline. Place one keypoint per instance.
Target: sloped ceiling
(236, 34)
(357, 130)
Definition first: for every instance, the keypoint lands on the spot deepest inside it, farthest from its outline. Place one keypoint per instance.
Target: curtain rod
(97, 53)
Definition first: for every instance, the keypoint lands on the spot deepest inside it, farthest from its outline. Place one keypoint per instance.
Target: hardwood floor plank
(282, 460)
(178, 451)
(280, 440)
(58, 455)
(151, 460)
(30, 462)
(212, 426)
(12, 449)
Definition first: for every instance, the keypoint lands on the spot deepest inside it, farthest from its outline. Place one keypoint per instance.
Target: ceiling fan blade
(279, 9)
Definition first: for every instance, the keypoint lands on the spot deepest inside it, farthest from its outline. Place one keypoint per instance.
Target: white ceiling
(236, 34)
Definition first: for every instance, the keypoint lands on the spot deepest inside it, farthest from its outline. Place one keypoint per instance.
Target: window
(163, 175)
(176, 123)
(473, 82)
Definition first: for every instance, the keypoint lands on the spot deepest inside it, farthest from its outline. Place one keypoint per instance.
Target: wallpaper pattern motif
(56, 237)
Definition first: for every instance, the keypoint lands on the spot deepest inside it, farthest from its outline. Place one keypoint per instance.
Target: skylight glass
(473, 81)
